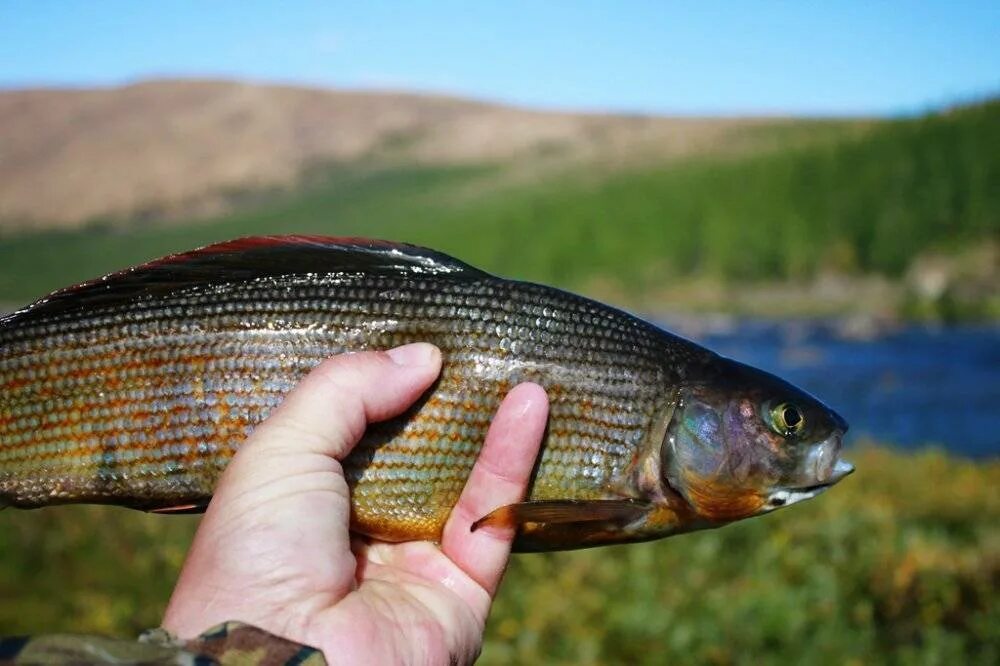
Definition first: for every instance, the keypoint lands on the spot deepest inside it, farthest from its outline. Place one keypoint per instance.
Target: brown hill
(159, 149)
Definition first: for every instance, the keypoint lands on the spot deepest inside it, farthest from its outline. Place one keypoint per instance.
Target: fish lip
(841, 469)
(788, 496)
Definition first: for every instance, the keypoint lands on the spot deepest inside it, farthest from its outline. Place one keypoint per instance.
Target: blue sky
(661, 57)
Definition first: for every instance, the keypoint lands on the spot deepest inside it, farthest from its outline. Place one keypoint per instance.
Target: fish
(137, 388)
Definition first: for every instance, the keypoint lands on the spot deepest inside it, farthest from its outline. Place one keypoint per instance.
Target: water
(911, 387)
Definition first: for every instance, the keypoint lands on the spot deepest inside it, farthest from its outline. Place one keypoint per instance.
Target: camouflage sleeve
(231, 643)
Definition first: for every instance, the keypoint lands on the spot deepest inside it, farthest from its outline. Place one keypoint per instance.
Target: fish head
(743, 442)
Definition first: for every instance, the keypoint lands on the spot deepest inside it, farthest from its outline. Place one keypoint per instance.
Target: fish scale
(142, 398)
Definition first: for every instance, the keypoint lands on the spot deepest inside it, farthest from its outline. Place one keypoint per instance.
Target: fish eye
(787, 419)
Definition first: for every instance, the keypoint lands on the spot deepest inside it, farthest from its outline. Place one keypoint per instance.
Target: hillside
(169, 149)
(901, 219)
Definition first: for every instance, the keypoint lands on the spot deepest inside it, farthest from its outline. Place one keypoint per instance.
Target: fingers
(499, 477)
(328, 411)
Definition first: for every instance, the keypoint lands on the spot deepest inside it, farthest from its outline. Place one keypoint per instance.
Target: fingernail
(416, 354)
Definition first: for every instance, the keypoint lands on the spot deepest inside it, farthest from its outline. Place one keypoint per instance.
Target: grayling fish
(137, 388)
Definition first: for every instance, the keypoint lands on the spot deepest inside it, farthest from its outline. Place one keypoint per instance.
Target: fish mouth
(840, 470)
(786, 496)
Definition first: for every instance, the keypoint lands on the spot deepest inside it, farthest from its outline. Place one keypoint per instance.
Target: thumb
(328, 411)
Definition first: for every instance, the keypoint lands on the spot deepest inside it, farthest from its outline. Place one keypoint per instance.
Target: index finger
(499, 477)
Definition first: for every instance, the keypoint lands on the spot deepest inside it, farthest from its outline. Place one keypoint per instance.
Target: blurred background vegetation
(865, 240)
(900, 563)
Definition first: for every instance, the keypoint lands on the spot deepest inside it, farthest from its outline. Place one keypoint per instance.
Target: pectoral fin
(556, 512)
(181, 509)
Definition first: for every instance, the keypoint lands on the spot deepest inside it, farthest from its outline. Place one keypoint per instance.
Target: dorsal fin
(246, 259)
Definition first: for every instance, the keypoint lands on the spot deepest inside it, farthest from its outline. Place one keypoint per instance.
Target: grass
(898, 564)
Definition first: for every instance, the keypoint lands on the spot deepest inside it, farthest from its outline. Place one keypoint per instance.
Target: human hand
(274, 551)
